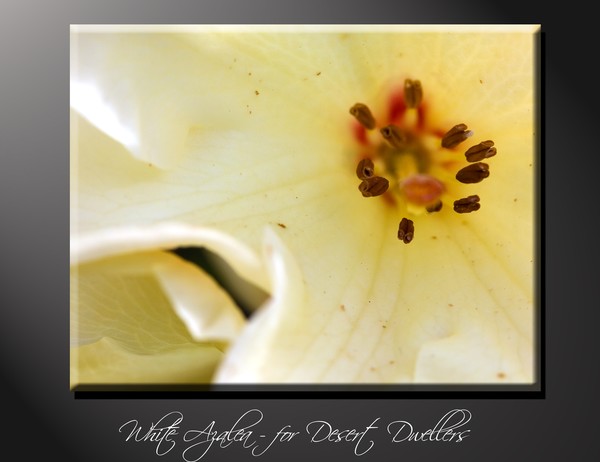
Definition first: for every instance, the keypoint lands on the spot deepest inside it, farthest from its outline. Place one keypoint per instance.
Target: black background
(41, 418)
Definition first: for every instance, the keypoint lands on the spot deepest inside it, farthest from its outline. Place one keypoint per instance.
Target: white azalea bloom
(240, 140)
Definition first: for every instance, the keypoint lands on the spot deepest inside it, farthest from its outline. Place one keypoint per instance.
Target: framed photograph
(305, 207)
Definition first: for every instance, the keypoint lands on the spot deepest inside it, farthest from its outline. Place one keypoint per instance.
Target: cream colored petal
(148, 302)
(205, 308)
(377, 311)
(249, 360)
(295, 130)
(154, 89)
(383, 312)
(112, 242)
(473, 72)
(131, 303)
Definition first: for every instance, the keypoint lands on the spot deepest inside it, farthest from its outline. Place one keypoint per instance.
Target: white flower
(233, 130)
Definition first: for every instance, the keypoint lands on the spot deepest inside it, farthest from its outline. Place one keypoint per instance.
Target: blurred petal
(106, 363)
(114, 241)
(150, 302)
(252, 358)
(150, 87)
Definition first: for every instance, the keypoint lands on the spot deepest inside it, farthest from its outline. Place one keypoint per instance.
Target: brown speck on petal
(455, 136)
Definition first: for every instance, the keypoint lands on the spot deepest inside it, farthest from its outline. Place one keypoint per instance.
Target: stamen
(480, 151)
(407, 157)
(374, 186)
(365, 169)
(394, 136)
(413, 93)
(467, 205)
(455, 136)
(435, 207)
(473, 173)
(363, 114)
(406, 230)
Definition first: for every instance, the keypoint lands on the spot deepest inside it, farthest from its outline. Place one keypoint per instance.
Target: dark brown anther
(481, 151)
(435, 207)
(467, 205)
(455, 136)
(374, 186)
(394, 136)
(365, 169)
(363, 114)
(413, 93)
(406, 231)
(473, 173)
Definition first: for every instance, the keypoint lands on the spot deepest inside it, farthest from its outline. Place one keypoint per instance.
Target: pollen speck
(256, 92)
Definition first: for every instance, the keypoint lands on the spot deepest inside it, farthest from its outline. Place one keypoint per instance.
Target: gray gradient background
(41, 418)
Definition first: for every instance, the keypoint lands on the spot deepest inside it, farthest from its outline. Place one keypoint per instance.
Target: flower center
(411, 163)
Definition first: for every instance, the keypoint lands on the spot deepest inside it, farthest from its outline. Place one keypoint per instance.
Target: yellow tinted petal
(106, 363)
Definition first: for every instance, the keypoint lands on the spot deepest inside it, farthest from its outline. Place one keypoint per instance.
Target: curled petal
(249, 359)
(114, 241)
(131, 299)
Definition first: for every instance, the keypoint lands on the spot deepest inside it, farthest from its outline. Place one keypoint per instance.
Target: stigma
(405, 160)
